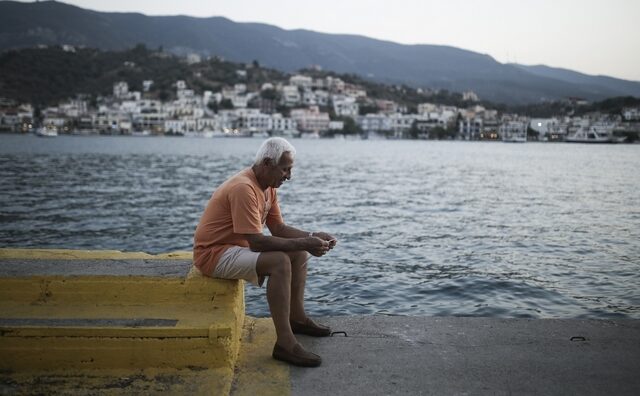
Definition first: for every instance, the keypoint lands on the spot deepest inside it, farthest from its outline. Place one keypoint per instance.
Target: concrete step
(81, 313)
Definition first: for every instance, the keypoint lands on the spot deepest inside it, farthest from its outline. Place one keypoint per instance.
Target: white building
(470, 96)
(470, 128)
(345, 106)
(387, 106)
(427, 108)
(120, 90)
(631, 113)
(334, 84)
(322, 97)
(543, 125)
(73, 108)
(513, 130)
(311, 119)
(301, 81)
(374, 123)
(401, 123)
(282, 125)
(180, 126)
(336, 125)
(252, 120)
(208, 124)
(291, 95)
(309, 98)
(193, 59)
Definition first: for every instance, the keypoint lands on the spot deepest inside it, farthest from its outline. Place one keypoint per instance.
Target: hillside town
(303, 106)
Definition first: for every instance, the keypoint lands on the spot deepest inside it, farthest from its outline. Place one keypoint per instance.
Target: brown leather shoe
(311, 328)
(298, 356)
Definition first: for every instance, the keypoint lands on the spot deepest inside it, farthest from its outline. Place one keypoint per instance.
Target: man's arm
(264, 243)
(285, 231)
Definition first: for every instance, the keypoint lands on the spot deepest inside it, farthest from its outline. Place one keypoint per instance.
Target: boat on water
(141, 133)
(310, 135)
(260, 134)
(514, 139)
(47, 131)
(205, 134)
(594, 134)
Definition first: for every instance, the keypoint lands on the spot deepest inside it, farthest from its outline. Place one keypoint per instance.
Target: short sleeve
(245, 212)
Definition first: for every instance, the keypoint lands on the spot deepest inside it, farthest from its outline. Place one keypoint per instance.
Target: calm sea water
(424, 228)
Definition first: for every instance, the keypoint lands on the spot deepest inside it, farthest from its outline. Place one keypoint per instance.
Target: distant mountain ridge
(427, 66)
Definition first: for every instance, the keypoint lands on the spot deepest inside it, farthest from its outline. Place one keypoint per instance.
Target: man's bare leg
(298, 280)
(277, 266)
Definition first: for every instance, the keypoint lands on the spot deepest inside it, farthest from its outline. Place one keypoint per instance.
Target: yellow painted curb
(257, 373)
(117, 334)
(210, 382)
(68, 254)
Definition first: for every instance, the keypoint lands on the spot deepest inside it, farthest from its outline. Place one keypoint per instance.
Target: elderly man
(229, 244)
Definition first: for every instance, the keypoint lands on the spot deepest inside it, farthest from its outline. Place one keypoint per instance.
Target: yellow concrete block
(179, 382)
(118, 334)
(70, 254)
(256, 372)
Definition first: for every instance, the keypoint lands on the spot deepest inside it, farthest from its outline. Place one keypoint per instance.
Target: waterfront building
(208, 124)
(401, 124)
(336, 126)
(282, 125)
(374, 123)
(252, 120)
(180, 126)
(470, 128)
(16, 118)
(513, 130)
(310, 119)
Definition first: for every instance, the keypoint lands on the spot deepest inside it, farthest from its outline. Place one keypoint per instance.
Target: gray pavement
(385, 355)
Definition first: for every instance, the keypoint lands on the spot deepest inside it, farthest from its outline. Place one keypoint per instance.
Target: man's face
(281, 171)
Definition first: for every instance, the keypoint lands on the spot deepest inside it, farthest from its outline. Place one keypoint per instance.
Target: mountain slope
(429, 66)
(586, 80)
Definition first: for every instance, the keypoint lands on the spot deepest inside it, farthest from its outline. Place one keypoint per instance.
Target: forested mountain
(425, 66)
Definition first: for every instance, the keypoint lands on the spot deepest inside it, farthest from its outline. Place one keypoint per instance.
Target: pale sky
(589, 36)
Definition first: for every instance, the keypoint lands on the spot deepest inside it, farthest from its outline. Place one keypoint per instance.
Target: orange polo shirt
(239, 206)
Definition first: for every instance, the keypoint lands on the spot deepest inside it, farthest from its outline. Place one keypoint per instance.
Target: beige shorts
(238, 263)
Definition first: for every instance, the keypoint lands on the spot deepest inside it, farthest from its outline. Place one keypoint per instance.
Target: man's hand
(316, 246)
(326, 237)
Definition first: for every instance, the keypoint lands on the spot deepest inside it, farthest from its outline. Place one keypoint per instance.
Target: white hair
(273, 148)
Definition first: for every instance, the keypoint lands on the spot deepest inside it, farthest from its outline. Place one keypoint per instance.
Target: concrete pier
(82, 322)
(474, 356)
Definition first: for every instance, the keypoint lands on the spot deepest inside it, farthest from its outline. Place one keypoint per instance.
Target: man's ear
(267, 161)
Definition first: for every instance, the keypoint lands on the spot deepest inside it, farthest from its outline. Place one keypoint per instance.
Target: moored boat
(593, 134)
(47, 131)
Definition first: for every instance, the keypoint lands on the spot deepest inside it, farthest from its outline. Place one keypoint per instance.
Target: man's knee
(298, 258)
(274, 263)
